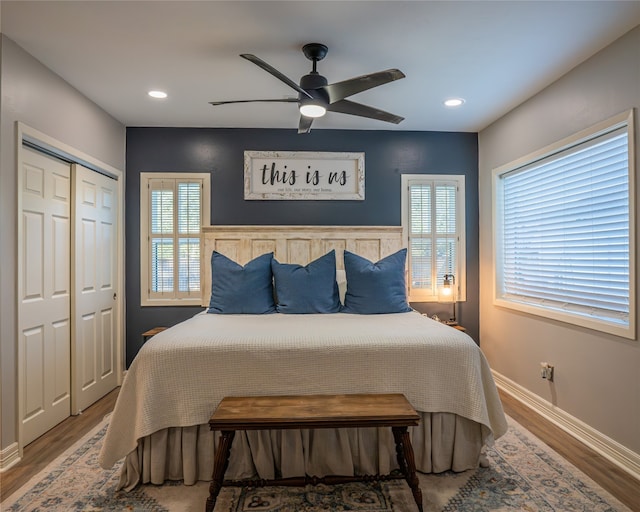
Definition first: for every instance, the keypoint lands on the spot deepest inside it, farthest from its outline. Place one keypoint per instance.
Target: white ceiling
(494, 54)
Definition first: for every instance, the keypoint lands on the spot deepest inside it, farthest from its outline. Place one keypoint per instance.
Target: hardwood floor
(619, 483)
(45, 449)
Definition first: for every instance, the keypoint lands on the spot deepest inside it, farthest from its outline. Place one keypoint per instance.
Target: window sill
(622, 330)
(171, 302)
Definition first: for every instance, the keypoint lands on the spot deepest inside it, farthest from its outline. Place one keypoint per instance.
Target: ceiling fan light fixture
(312, 108)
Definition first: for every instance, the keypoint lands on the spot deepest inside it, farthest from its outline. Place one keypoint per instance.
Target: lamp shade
(446, 293)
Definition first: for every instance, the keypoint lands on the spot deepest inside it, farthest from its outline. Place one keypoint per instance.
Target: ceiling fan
(316, 96)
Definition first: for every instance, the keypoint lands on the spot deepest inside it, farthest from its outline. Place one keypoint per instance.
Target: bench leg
(220, 463)
(407, 462)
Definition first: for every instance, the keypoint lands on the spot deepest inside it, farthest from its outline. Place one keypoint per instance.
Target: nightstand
(151, 333)
(458, 327)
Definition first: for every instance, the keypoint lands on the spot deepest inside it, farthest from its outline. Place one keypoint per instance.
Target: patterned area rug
(524, 475)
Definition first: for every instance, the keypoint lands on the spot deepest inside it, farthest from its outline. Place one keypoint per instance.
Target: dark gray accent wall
(220, 152)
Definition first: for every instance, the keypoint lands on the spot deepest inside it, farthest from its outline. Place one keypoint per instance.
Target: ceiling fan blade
(305, 124)
(341, 90)
(283, 100)
(358, 109)
(270, 69)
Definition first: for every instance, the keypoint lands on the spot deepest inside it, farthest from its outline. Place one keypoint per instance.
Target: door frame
(38, 140)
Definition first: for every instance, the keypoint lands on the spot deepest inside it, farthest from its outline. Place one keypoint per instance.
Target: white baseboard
(621, 456)
(9, 457)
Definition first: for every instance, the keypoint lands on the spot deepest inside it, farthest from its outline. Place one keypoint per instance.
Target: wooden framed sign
(303, 175)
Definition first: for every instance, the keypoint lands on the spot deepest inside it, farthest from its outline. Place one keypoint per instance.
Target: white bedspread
(180, 375)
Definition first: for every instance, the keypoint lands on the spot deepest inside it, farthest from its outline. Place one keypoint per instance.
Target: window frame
(624, 120)
(460, 272)
(173, 298)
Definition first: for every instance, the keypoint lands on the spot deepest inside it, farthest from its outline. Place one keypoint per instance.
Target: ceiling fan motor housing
(313, 83)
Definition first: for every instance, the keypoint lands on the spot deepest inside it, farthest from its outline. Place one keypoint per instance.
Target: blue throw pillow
(309, 289)
(375, 288)
(241, 290)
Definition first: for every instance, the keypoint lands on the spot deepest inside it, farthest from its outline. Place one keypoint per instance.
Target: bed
(159, 424)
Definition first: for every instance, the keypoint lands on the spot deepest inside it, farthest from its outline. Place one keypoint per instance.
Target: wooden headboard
(295, 244)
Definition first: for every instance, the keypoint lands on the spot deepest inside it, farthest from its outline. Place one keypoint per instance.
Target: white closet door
(94, 285)
(44, 306)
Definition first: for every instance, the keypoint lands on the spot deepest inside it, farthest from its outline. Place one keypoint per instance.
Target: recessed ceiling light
(157, 94)
(453, 102)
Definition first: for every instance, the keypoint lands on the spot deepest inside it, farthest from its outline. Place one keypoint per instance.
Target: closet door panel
(62, 349)
(34, 396)
(44, 304)
(94, 290)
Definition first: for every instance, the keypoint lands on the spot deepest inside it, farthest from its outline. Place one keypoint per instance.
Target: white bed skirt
(442, 441)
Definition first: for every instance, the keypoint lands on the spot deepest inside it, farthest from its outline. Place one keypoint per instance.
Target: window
(433, 221)
(173, 207)
(563, 231)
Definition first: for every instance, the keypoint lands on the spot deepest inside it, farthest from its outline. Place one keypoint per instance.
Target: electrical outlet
(546, 371)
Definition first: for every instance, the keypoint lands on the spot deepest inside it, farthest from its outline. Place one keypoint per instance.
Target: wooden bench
(314, 411)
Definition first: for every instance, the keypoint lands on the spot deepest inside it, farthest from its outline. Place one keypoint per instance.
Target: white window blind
(189, 222)
(564, 231)
(162, 239)
(175, 207)
(434, 230)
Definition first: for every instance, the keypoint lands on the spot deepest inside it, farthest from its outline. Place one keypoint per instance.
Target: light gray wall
(597, 376)
(34, 95)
